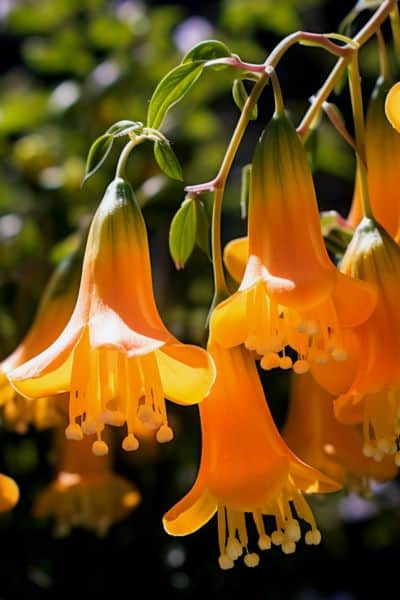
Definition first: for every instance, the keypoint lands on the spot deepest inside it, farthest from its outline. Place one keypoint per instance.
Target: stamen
(100, 448)
(130, 443)
(74, 432)
(251, 560)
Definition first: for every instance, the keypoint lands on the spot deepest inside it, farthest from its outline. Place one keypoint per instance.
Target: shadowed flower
(382, 145)
(54, 311)
(316, 436)
(374, 395)
(115, 356)
(392, 106)
(86, 493)
(9, 493)
(291, 293)
(246, 467)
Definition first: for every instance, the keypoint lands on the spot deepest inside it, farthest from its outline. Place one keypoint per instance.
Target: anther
(113, 417)
(312, 537)
(301, 366)
(264, 542)
(251, 560)
(234, 548)
(292, 530)
(225, 562)
(368, 450)
(130, 443)
(288, 547)
(285, 362)
(74, 432)
(269, 361)
(277, 537)
(164, 434)
(99, 448)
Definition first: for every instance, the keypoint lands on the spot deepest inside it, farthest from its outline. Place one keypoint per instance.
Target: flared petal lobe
(115, 356)
(245, 467)
(291, 294)
(392, 106)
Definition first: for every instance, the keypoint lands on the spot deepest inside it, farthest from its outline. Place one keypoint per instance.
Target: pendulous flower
(246, 467)
(373, 397)
(392, 106)
(291, 293)
(382, 146)
(54, 311)
(115, 356)
(86, 493)
(314, 434)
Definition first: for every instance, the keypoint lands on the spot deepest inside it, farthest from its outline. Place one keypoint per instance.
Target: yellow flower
(291, 293)
(86, 493)
(374, 395)
(9, 493)
(382, 145)
(246, 467)
(392, 106)
(115, 356)
(54, 311)
(316, 436)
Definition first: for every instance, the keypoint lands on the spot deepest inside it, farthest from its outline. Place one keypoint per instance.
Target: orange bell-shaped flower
(374, 395)
(316, 436)
(291, 293)
(115, 356)
(246, 467)
(54, 311)
(382, 146)
(86, 493)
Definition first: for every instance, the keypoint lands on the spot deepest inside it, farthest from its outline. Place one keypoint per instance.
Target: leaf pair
(101, 147)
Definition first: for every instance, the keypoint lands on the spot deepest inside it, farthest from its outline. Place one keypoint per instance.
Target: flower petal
(9, 493)
(187, 372)
(229, 321)
(354, 300)
(236, 253)
(191, 513)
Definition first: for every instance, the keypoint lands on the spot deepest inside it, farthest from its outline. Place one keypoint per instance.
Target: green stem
(121, 166)
(221, 290)
(395, 24)
(383, 57)
(279, 104)
(359, 128)
(363, 36)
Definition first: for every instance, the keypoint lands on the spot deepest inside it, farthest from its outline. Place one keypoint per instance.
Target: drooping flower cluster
(98, 357)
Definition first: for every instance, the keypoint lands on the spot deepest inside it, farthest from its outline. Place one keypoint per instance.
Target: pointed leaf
(98, 153)
(167, 160)
(240, 96)
(203, 228)
(206, 50)
(121, 128)
(182, 233)
(172, 88)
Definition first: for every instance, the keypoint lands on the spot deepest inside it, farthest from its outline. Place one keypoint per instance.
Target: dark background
(69, 69)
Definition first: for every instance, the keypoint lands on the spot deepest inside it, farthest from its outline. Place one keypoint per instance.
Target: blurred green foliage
(71, 68)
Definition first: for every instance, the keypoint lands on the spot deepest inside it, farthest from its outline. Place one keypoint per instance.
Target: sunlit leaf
(167, 160)
(206, 50)
(98, 153)
(182, 233)
(172, 88)
(203, 228)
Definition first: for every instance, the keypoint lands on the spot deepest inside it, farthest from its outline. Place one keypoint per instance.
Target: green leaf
(207, 50)
(172, 88)
(203, 228)
(121, 128)
(98, 153)
(182, 233)
(240, 96)
(166, 159)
